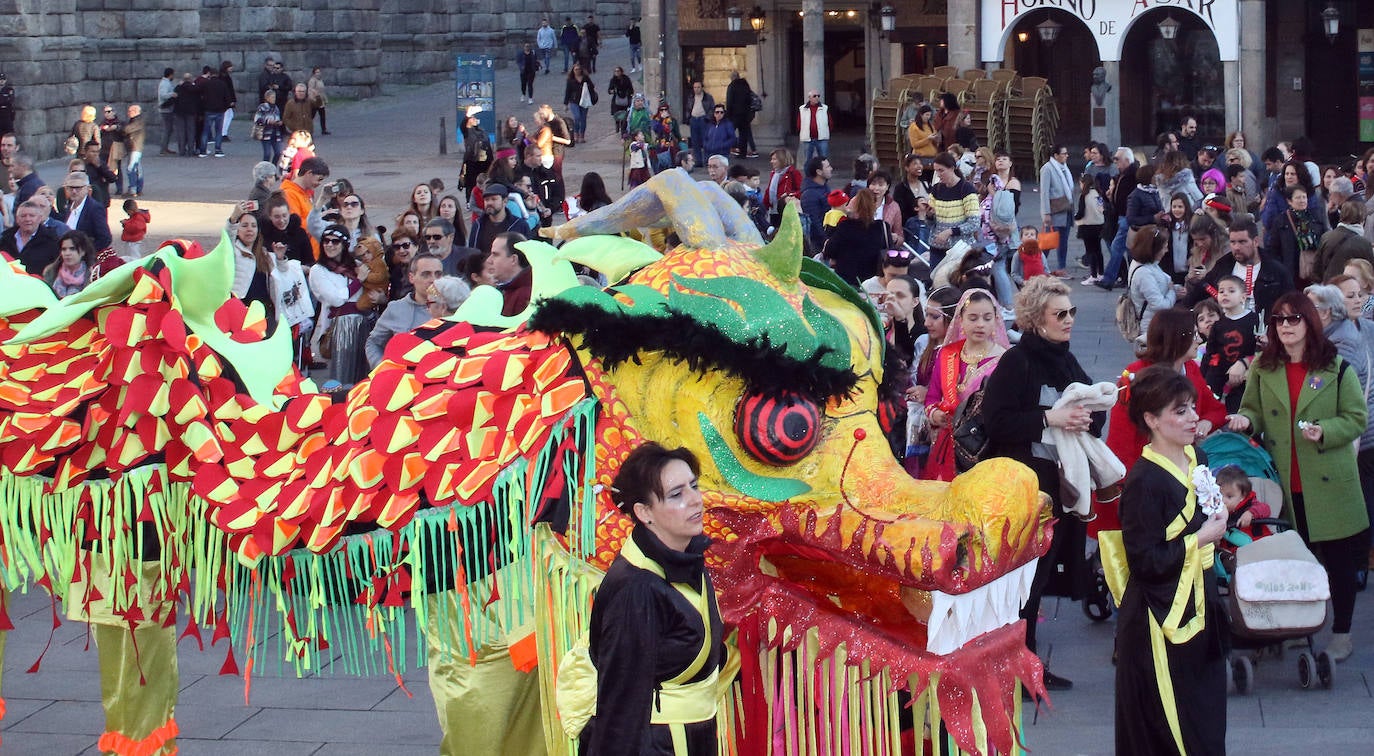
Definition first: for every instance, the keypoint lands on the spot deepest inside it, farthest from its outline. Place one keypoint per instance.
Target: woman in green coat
(1307, 407)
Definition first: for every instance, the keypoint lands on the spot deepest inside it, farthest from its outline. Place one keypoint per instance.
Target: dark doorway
(1067, 64)
(845, 75)
(1162, 80)
(1333, 110)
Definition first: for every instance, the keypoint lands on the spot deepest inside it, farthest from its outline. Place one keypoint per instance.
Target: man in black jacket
(1266, 278)
(28, 240)
(186, 108)
(215, 97)
(1120, 189)
(739, 97)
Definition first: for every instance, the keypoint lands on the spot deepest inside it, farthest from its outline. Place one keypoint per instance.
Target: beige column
(1249, 113)
(962, 20)
(813, 47)
(651, 33)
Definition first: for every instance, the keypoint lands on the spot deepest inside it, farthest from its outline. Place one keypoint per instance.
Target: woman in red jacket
(783, 182)
(1168, 342)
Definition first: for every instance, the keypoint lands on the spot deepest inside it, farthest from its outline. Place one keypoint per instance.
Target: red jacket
(136, 226)
(789, 185)
(1126, 441)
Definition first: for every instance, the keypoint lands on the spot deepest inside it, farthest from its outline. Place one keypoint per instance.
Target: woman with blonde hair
(1021, 394)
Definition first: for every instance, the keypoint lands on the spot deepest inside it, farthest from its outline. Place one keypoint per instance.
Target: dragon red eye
(777, 430)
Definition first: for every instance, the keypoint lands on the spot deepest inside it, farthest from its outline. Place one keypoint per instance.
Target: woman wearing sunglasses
(1306, 405)
(1020, 395)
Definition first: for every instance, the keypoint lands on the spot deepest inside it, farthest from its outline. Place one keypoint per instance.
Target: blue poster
(475, 84)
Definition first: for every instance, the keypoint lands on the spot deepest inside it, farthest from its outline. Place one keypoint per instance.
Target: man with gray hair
(1117, 192)
(439, 238)
(1342, 189)
(718, 168)
(28, 240)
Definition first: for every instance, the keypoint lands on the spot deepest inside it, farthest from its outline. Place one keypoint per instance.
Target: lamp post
(1331, 22)
(1048, 30)
(757, 19)
(734, 17)
(888, 18)
(1168, 28)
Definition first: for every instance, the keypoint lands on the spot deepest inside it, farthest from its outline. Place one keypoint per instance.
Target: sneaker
(218, 153)
(203, 154)
(752, 155)
(1089, 281)
(227, 139)
(1101, 285)
(1340, 647)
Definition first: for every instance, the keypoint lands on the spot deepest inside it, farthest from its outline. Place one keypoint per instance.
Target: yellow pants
(139, 718)
(489, 707)
(138, 667)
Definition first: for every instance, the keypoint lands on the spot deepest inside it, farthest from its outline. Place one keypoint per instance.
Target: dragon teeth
(955, 620)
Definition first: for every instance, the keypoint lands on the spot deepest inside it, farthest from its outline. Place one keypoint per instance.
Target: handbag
(258, 130)
(1060, 205)
(970, 436)
(1048, 239)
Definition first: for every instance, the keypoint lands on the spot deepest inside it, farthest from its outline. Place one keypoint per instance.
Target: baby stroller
(1274, 589)
(1278, 593)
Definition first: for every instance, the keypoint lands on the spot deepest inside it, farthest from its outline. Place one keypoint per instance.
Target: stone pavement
(385, 146)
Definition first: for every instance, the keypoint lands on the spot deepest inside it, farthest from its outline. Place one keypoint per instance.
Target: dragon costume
(159, 450)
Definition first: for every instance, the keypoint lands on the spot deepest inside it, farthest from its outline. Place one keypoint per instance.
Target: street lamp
(888, 16)
(1331, 22)
(1168, 28)
(735, 18)
(756, 20)
(1048, 30)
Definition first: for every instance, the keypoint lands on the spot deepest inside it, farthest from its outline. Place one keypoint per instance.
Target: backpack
(1128, 316)
(755, 102)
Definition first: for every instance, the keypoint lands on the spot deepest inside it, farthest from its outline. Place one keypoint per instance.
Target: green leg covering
(488, 708)
(138, 716)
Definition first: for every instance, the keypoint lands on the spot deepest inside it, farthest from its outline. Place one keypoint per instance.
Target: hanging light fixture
(1168, 28)
(757, 19)
(888, 18)
(1331, 22)
(1048, 30)
(734, 17)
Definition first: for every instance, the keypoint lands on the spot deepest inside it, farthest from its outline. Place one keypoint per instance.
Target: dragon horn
(670, 196)
(783, 255)
(737, 224)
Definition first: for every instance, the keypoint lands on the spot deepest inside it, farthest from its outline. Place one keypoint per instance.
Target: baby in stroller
(1244, 505)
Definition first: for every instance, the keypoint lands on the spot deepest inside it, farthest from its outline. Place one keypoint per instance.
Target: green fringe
(320, 596)
(188, 548)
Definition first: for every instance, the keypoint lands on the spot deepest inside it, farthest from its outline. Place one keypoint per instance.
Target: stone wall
(62, 53)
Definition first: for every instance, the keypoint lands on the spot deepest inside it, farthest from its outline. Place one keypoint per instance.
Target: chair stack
(1010, 112)
(1032, 119)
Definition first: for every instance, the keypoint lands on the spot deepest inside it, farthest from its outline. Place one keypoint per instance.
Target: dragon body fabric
(154, 421)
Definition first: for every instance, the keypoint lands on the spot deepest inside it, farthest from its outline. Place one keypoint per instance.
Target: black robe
(643, 633)
(1152, 499)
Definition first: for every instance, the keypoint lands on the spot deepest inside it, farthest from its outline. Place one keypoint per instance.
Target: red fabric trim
(122, 745)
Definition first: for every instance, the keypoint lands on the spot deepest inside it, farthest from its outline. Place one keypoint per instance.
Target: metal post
(443, 135)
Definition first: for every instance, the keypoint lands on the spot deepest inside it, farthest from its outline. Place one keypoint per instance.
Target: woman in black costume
(1170, 617)
(656, 634)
